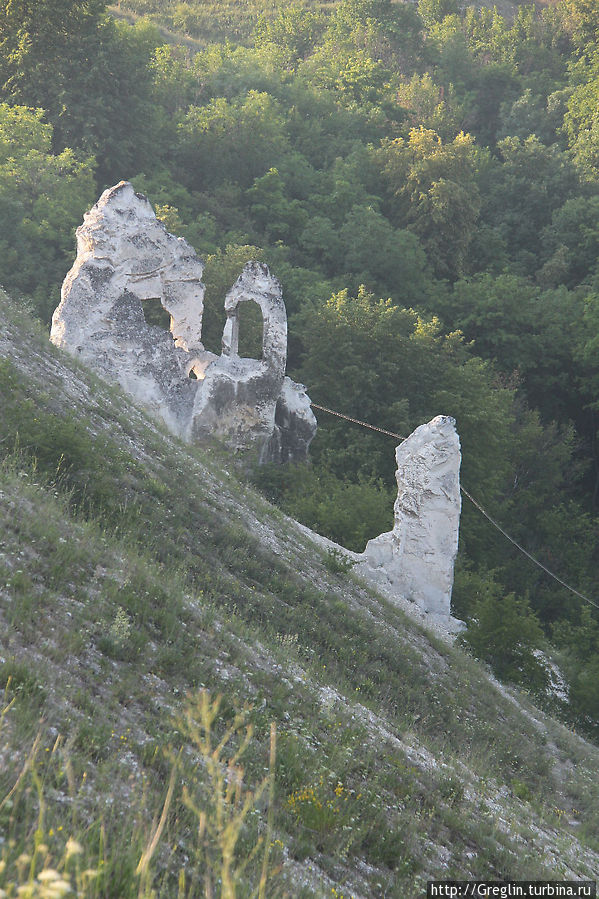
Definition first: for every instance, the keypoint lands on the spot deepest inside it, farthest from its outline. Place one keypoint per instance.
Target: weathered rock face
(126, 258)
(416, 559)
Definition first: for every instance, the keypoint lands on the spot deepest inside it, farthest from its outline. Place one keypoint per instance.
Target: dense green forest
(424, 180)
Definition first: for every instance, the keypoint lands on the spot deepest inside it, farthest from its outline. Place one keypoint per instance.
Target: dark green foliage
(580, 636)
(89, 75)
(397, 369)
(231, 141)
(504, 632)
(432, 188)
(531, 334)
(584, 694)
(33, 37)
(571, 242)
(531, 184)
(42, 199)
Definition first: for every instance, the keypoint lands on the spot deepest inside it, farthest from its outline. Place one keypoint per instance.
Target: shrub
(504, 632)
(338, 562)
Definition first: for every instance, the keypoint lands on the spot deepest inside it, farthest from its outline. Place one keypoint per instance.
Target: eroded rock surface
(416, 559)
(126, 260)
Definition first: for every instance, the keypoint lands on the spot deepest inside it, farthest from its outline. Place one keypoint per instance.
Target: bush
(338, 562)
(348, 513)
(504, 632)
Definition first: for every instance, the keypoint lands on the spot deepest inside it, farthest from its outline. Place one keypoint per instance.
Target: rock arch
(239, 396)
(256, 285)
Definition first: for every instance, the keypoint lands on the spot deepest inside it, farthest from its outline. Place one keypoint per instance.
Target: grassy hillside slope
(135, 571)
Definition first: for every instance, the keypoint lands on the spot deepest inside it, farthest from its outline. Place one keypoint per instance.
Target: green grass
(131, 576)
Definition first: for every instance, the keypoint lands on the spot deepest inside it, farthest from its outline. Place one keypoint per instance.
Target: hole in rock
(155, 313)
(251, 327)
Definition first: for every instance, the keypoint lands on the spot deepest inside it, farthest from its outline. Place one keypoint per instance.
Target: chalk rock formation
(239, 396)
(416, 559)
(125, 258)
